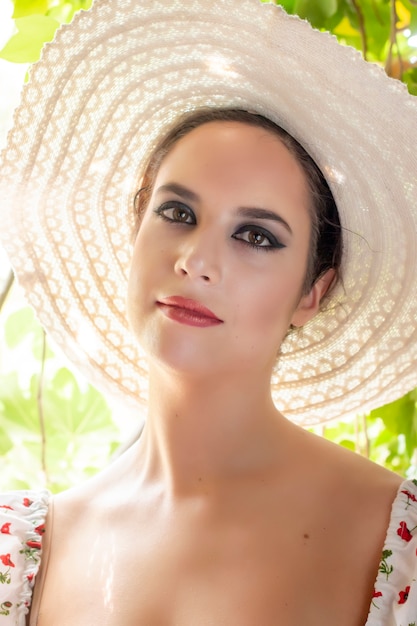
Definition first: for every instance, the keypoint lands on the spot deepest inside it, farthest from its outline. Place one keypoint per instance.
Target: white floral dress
(22, 518)
(22, 523)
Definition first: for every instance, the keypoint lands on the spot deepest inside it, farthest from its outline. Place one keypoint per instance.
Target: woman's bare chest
(220, 574)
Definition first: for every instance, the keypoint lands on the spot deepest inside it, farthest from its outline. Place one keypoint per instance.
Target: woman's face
(227, 228)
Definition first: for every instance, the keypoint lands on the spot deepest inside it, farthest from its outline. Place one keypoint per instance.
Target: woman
(223, 512)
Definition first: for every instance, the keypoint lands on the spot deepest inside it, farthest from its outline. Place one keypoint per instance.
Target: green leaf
(22, 326)
(18, 325)
(6, 443)
(22, 8)
(398, 415)
(20, 411)
(318, 12)
(410, 79)
(26, 45)
(72, 411)
(287, 4)
(400, 418)
(348, 443)
(328, 7)
(382, 439)
(65, 11)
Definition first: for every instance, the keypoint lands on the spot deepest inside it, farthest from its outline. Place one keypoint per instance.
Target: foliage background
(55, 429)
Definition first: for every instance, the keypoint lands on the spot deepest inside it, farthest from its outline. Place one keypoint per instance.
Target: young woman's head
(360, 348)
(326, 235)
(230, 216)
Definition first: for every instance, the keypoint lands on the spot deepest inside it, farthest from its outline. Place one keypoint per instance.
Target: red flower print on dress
(376, 594)
(27, 502)
(6, 560)
(40, 529)
(5, 529)
(404, 595)
(30, 577)
(34, 544)
(404, 532)
(409, 495)
(5, 506)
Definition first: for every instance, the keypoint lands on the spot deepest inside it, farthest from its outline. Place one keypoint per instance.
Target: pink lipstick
(189, 312)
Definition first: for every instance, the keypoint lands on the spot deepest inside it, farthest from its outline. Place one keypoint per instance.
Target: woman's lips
(186, 311)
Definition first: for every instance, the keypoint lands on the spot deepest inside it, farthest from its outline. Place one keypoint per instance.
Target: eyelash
(166, 206)
(274, 243)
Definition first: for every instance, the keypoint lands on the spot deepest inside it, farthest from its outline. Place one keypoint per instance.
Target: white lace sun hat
(96, 104)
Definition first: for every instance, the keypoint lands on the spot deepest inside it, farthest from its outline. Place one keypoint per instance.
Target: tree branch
(393, 42)
(367, 450)
(4, 292)
(358, 447)
(362, 28)
(40, 409)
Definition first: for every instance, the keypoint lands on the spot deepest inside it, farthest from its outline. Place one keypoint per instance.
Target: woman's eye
(176, 212)
(257, 237)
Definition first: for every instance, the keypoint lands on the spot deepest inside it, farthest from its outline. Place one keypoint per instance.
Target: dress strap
(46, 551)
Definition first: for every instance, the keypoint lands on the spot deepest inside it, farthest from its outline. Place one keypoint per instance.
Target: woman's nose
(199, 258)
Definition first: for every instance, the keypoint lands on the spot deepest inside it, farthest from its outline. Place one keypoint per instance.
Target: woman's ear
(309, 304)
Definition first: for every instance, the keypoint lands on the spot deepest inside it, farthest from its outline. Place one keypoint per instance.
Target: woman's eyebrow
(263, 214)
(179, 190)
(246, 212)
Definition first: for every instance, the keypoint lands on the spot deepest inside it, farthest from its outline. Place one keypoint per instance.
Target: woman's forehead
(225, 149)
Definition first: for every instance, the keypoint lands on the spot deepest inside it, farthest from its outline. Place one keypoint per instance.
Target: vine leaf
(32, 32)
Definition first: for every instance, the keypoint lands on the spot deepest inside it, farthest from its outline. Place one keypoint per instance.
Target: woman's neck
(208, 430)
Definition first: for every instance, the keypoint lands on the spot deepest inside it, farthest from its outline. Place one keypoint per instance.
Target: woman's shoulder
(348, 468)
(22, 522)
(378, 511)
(381, 509)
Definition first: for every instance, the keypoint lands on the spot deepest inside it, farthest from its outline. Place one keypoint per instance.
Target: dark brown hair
(326, 234)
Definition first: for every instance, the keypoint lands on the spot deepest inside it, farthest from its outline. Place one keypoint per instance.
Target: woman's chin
(181, 357)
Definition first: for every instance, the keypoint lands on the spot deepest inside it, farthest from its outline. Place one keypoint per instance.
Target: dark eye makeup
(176, 212)
(257, 237)
(253, 235)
